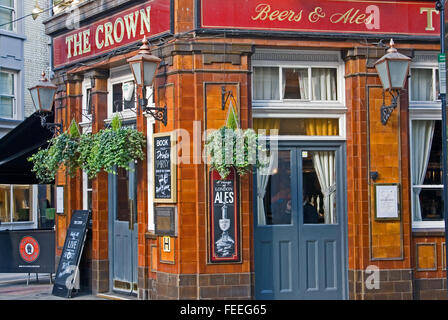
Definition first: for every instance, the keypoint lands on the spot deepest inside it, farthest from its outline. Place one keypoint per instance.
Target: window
(15, 203)
(424, 85)
(7, 95)
(87, 192)
(426, 171)
(426, 142)
(7, 14)
(123, 96)
(304, 83)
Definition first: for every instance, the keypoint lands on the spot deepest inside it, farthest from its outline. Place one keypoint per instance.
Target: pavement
(17, 286)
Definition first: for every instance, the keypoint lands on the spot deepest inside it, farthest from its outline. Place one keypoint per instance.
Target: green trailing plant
(106, 150)
(61, 150)
(115, 147)
(237, 148)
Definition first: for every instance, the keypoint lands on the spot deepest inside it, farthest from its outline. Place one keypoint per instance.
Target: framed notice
(224, 219)
(387, 201)
(164, 169)
(60, 199)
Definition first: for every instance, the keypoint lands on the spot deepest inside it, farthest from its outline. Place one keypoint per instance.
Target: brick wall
(36, 50)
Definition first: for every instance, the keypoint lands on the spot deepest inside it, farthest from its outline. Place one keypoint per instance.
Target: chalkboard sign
(71, 254)
(224, 218)
(164, 170)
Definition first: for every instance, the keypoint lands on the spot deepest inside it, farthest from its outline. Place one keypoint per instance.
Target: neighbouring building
(24, 55)
(349, 196)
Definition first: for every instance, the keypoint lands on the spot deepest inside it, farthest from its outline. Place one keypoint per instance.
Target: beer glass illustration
(225, 245)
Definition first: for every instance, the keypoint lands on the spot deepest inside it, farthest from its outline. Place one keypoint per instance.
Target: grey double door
(299, 233)
(123, 227)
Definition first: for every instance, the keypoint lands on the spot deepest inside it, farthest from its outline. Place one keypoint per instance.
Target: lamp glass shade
(398, 70)
(149, 70)
(35, 98)
(383, 73)
(136, 70)
(43, 98)
(46, 95)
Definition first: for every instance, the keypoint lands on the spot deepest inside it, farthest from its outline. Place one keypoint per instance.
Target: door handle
(131, 214)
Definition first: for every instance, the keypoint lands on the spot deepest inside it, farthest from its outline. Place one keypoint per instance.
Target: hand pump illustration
(225, 244)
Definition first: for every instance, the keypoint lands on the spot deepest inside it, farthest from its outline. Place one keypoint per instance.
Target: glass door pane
(274, 193)
(319, 187)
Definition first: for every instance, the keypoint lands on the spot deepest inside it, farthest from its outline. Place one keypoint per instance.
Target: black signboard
(224, 218)
(164, 168)
(27, 251)
(71, 254)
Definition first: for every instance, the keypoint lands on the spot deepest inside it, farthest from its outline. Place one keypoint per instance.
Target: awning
(19, 144)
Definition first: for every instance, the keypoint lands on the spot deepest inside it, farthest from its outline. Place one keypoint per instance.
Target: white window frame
(424, 110)
(291, 108)
(15, 96)
(86, 128)
(303, 104)
(86, 118)
(423, 114)
(14, 15)
(149, 133)
(436, 100)
(124, 75)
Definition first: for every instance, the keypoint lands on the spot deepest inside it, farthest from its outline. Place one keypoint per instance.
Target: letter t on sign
(429, 12)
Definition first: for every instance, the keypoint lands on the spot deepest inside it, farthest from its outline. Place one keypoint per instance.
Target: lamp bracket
(386, 111)
(158, 113)
(55, 128)
(225, 96)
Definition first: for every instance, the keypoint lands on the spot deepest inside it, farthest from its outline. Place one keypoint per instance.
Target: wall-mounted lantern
(144, 66)
(42, 95)
(393, 69)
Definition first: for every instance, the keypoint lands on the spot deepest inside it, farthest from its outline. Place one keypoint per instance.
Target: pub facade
(352, 209)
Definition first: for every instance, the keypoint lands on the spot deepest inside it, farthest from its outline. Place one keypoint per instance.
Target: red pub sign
(323, 16)
(150, 19)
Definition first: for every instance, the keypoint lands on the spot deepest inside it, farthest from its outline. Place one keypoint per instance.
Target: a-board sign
(224, 218)
(164, 167)
(27, 251)
(71, 254)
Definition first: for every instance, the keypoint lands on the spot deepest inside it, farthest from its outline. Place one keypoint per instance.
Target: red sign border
(168, 32)
(311, 32)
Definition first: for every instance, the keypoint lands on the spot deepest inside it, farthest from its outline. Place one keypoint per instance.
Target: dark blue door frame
(287, 246)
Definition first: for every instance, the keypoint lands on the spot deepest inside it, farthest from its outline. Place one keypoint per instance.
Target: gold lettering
(316, 15)
(131, 24)
(77, 44)
(362, 18)
(429, 12)
(108, 27)
(339, 16)
(117, 38)
(145, 18)
(68, 42)
(283, 15)
(86, 40)
(298, 17)
(263, 10)
(99, 44)
(274, 15)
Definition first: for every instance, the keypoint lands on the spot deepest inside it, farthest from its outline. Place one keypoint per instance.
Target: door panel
(298, 240)
(276, 233)
(124, 233)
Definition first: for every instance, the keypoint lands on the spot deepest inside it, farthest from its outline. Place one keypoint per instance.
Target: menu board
(164, 168)
(71, 254)
(224, 218)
